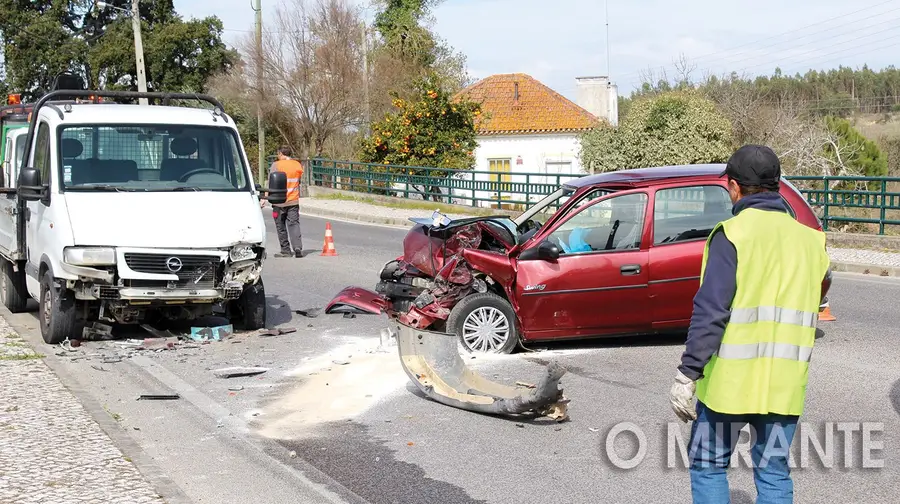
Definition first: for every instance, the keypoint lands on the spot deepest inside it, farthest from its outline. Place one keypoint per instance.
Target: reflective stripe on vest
(762, 363)
(294, 171)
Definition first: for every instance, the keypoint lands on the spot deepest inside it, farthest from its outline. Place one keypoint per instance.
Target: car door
(683, 218)
(598, 284)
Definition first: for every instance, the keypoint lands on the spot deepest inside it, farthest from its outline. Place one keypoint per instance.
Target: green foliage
(678, 127)
(862, 154)
(43, 39)
(431, 130)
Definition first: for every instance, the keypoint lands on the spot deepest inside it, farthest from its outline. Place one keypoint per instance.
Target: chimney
(598, 96)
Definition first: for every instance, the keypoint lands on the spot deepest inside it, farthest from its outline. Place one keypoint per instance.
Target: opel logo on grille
(174, 264)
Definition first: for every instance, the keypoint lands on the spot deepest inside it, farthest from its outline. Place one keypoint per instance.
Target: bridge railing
(867, 204)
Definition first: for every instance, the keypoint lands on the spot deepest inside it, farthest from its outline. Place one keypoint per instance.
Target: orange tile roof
(538, 108)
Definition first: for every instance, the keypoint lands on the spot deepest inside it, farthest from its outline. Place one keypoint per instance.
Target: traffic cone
(825, 315)
(328, 249)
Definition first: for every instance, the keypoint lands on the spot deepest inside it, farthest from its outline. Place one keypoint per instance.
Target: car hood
(203, 219)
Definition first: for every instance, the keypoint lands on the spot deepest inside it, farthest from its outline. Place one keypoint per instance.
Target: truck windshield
(151, 158)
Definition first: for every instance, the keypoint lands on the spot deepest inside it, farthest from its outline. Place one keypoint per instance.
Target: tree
(43, 39)
(679, 127)
(433, 130)
(310, 84)
(861, 154)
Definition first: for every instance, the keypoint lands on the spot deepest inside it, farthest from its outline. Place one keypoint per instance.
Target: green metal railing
(872, 201)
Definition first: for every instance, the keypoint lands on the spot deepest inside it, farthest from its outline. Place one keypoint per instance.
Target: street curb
(840, 266)
(865, 269)
(357, 217)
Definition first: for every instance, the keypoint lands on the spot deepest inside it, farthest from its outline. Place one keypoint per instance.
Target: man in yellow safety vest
(751, 333)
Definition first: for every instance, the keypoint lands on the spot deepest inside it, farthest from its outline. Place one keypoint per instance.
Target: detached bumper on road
(432, 362)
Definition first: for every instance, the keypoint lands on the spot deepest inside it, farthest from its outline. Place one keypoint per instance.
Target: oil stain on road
(369, 468)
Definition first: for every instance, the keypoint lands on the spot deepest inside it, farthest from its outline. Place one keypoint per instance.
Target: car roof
(648, 176)
(114, 113)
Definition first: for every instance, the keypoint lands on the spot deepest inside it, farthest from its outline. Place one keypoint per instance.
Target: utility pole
(260, 130)
(138, 49)
(365, 48)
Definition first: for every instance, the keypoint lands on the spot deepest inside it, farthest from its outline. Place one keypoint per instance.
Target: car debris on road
(236, 372)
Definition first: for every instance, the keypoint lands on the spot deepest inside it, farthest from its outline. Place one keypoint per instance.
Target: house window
(559, 167)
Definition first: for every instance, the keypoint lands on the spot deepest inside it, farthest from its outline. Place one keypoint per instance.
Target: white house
(527, 128)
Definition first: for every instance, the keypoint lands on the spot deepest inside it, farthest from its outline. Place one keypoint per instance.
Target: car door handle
(630, 269)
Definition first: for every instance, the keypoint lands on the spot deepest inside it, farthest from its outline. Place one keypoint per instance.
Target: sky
(556, 41)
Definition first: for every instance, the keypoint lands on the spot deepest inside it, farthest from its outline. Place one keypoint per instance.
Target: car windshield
(151, 158)
(547, 206)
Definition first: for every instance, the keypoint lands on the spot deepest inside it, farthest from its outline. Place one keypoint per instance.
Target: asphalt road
(335, 420)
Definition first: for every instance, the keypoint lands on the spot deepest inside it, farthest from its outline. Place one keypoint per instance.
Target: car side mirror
(29, 185)
(277, 187)
(548, 251)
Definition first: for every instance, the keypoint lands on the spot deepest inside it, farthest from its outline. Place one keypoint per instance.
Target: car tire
(484, 312)
(56, 312)
(251, 307)
(13, 292)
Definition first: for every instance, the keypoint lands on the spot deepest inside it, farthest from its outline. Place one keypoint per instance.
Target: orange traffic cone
(825, 315)
(328, 249)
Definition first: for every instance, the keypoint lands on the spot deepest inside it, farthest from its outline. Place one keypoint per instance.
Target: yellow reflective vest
(762, 363)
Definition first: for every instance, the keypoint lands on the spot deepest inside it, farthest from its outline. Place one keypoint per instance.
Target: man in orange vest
(287, 214)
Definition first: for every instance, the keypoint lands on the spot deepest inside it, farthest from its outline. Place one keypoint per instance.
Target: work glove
(682, 397)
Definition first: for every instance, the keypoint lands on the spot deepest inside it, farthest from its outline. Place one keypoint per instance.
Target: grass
(115, 416)
(407, 205)
(20, 357)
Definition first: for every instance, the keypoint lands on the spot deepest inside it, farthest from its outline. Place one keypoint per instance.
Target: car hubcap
(486, 329)
(47, 306)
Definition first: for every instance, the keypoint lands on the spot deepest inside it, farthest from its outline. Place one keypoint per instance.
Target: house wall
(543, 154)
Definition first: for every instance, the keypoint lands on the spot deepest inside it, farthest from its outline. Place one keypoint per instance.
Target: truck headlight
(89, 256)
(241, 253)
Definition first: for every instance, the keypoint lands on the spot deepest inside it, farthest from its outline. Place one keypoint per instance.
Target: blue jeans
(713, 439)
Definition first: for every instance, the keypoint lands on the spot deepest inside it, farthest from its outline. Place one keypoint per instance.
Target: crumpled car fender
(432, 361)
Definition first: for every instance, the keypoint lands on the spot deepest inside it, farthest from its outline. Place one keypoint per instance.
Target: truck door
(35, 211)
(8, 197)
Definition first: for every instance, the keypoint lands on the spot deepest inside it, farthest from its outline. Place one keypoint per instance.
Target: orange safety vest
(294, 170)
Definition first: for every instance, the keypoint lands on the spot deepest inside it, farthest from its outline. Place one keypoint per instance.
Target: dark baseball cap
(754, 165)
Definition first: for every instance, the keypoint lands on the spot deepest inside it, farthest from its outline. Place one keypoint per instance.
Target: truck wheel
(484, 323)
(13, 292)
(251, 307)
(57, 311)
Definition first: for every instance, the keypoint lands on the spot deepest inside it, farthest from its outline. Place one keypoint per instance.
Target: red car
(621, 256)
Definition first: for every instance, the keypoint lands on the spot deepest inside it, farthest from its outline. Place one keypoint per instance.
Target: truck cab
(131, 214)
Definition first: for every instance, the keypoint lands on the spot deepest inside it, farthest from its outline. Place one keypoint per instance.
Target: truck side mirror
(277, 187)
(29, 185)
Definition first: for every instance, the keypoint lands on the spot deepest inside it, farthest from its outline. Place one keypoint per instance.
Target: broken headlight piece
(241, 253)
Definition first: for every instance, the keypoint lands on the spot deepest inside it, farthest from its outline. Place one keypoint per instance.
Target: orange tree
(425, 136)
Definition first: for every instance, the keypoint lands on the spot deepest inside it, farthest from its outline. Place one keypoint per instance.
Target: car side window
(689, 213)
(613, 224)
(42, 153)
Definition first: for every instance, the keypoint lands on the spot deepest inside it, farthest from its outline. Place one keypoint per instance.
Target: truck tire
(57, 311)
(13, 292)
(484, 323)
(251, 307)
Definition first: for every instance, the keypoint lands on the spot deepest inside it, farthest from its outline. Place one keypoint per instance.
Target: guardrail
(866, 201)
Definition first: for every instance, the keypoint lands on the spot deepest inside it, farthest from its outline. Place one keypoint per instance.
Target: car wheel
(251, 307)
(57, 311)
(484, 323)
(12, 288)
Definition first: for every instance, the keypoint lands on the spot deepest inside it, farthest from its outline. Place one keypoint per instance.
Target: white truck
(131, 213)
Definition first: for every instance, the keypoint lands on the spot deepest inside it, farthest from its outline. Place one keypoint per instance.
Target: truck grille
(194, 272)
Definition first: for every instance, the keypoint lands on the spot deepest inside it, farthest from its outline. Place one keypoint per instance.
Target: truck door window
(42, 152)
(688, 213)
